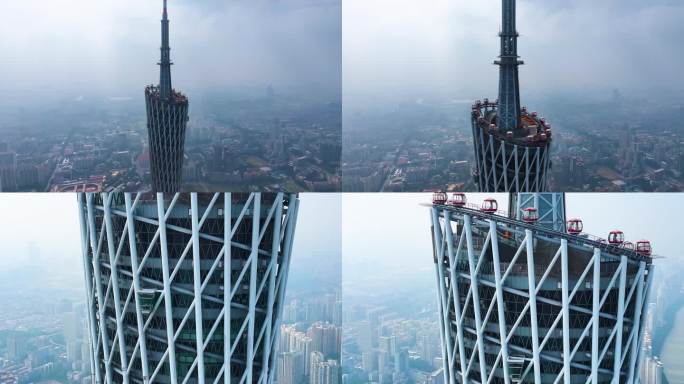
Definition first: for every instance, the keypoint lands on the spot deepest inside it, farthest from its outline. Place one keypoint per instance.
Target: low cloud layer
(113, 45)
(395, 46)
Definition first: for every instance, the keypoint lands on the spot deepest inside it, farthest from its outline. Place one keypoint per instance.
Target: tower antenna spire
(508, 62)
(167, 116)
(165, 62)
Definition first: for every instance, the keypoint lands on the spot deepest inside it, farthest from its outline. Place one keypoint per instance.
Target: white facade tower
(185, 288)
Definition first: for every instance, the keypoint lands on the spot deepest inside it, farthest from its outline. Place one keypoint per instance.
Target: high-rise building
(17, 346)
(365, 339)
(291, 368)
(511, 144)
(322, 371)
(8, 171)
(325, 338)
(527, 297)
(71, 326)
(167, 116)
(292, 340)
(185, 287)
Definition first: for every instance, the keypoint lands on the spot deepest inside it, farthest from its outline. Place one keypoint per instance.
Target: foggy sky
(400, 47)
(112, 46)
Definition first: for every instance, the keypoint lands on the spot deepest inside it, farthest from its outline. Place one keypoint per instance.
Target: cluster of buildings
(626, 157)
(381, 346)
(298, 154)
(46, 345)
(310, 340)
(76, 162)
(270, 153)
(389, 158)
(310, 356)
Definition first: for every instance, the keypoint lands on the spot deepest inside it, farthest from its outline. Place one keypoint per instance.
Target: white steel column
(453, 274)
(136, 287)
(273, 263)
(596, 308)
(168, 308)
(440, 275)
(617, 354)
(254, 257)
(501, 311)
(98, 288)
(565, 283)
(636, 322)
(227, 284)
(476, 299)
(533, 304)
(94, 364)
(291, 225)
(197, 282)
(649, 283)
(114, 278)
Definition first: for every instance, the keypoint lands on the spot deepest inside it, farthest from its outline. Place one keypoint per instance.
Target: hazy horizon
(394, 48)
(79, 47)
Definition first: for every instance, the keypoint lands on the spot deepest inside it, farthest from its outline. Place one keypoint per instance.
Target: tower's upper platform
(174, 98)
(532, 131)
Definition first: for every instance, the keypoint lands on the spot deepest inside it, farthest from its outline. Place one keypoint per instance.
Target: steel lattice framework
(168, 276)
(509, 165)
(511, 145)
(524, 302)
(167, 117)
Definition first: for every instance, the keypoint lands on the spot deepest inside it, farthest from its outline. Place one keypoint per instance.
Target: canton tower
(185, 288)
(529, 297)
(167, 116)
(511, 144)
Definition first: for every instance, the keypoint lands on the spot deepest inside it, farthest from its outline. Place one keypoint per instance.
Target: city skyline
(263, 115)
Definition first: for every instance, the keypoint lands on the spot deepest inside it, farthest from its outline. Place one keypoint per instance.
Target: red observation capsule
(489, 205)
(530, 215)
(616, 237)
(575, 226)
(643, 247)
(458, 199)
(439, 198)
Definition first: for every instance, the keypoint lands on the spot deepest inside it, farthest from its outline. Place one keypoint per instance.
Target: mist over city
(341, 191)
(260, 78)
(411, 76)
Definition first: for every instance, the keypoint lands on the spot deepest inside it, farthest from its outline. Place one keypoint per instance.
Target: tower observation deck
(185, 288)
(511, 144)
(167, 116)
(526, 297)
